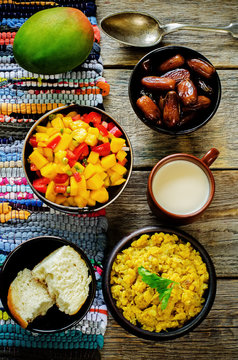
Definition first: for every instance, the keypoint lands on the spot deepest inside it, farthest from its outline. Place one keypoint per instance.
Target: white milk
(181, 187)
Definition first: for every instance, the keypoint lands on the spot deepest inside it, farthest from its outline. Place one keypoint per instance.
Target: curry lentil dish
(168, 257)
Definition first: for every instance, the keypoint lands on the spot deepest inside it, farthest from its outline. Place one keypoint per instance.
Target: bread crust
(13, 310)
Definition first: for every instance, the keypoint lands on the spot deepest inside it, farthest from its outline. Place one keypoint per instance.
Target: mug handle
(210, 156)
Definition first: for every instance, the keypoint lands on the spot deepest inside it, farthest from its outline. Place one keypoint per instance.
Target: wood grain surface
(217, 229)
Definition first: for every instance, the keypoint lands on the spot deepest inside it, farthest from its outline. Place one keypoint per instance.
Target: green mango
(53, 41)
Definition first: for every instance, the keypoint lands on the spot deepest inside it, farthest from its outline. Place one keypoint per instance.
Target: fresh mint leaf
(158, 283)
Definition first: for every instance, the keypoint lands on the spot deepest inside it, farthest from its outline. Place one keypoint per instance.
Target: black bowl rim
(171, 334)
(90, 269)
(164, 130)
(70, 209)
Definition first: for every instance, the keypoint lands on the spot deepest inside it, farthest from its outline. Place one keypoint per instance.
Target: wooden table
(217, 230)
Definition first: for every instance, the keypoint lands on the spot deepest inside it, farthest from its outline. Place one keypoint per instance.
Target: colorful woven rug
(24, 97)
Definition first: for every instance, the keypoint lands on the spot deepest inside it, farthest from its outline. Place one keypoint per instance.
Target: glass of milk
(181, 186)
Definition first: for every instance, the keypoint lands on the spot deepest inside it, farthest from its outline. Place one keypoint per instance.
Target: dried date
(205, 87)
(187, 92)
(202, 67)
(171, 111)
(203, 102)
(172, 63)
(177, 74)
(149, 109)
(158, 83)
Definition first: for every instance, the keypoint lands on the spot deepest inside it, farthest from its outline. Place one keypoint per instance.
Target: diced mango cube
(73, 186)
(102, 175)
(52, 131)
(95, 182)
(79, 135)
(91, 140)
(89, 171)
(121, 155)
(72, 114)
(117, 144)
(118, 182)
(108, 161)
(93, 157)
(57, 123)
(38, 159)
(67, 120)
(80, 201)
(78, 124)
(48, 153)
(42, 137)
(85, 194)
(114, 177)
(60, 199)
(49, 170)
(50, 192)
(107, 181)
(41, 129)
(82, 185)
(59, 155)
(101, 195)
(93, 130)
(64, 142)
(119, 169)
(91, 202)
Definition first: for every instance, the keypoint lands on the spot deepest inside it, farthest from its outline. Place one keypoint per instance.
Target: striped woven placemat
(24, 97)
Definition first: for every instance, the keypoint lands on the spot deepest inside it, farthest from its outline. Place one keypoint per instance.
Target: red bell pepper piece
(41, 184)
(61, 178)
(72, 162)
(93, 117)
(53, 143)
(77, 177)
(33, 141)
(81, 151)
(33, 167)
(70, 155)
(60, 189)
(115, 131)
(102, 130)
(76, 117)
(110, 126)
(103, 149)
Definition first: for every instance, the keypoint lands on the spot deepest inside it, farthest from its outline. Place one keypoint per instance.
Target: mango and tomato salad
(76, 158)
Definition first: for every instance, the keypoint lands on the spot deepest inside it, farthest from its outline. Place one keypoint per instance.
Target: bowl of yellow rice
(159, 283)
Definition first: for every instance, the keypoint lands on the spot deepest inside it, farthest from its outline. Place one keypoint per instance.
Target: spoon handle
(226, 29)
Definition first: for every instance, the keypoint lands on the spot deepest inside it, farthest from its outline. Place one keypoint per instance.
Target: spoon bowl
(144, 30)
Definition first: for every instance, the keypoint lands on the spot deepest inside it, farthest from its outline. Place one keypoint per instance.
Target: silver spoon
(144, 30)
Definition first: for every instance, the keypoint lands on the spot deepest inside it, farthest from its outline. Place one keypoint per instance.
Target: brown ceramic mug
(181, 187)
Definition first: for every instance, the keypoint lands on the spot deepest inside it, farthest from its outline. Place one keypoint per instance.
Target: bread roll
(27, 298)
(65, 274)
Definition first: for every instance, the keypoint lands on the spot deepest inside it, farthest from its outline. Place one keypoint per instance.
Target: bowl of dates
(174, 90)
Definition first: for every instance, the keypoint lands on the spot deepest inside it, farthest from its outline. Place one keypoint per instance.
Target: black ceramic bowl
(170, 334)
(114, 191)
(29, 254)
(158, 56)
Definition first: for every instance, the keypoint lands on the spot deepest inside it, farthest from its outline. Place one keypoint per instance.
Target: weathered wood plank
(221, 49)
(216, 337)
(217, 228)
(149, 146)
